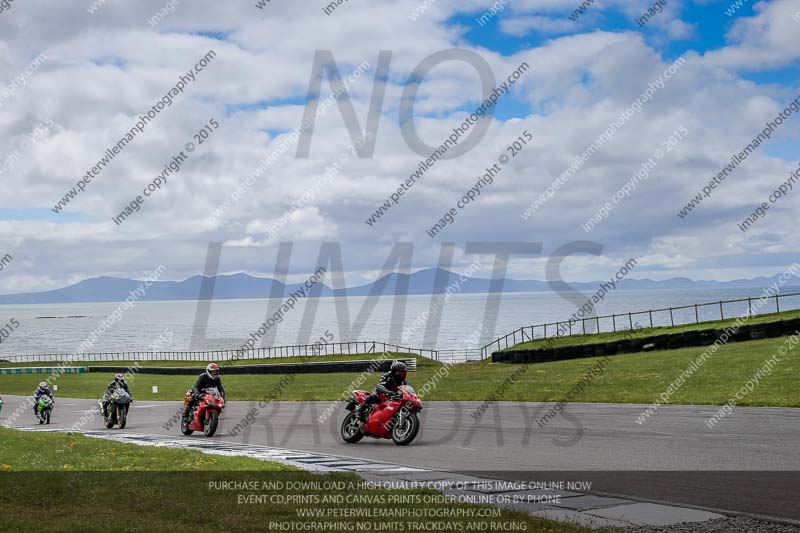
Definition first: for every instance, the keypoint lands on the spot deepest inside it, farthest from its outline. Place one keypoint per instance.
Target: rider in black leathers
(208, 379)
(119, 382)
(387, 386)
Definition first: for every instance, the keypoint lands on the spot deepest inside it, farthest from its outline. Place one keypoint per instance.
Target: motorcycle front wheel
(404, 433)
(122, 416)
(351, 429)
(210, 425)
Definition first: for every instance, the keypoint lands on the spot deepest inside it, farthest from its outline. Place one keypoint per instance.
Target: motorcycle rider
(41, 390)
(118, 383)
(387, 386)
(208, 379)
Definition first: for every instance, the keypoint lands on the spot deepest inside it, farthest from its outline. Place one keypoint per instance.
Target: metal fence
(670, 316)
(304, 350)
(460, 356)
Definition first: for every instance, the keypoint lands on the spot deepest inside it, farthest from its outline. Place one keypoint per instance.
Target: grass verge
(628, 378)
(85, 484)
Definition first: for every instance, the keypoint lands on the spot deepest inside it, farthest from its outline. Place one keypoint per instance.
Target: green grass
(598, 338)
(629, 378)
(22, 451)
(68, 482)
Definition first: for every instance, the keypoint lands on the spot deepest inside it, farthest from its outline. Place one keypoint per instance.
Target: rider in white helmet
(207, 380)
(41, 390)
(119, 382)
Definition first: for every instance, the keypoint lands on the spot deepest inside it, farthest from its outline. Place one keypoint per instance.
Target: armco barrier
(670, 341)
(44, 370)
(202, 356)
(286, 368)
(669, 316)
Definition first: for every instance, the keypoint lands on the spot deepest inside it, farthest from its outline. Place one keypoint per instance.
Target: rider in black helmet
(387, 386)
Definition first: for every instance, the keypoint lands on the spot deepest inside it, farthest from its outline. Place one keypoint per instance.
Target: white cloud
(104, 69)
(767, 40)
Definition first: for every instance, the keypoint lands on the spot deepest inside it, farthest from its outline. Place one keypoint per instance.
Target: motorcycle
(395, 419)
(44, 407)
(205, 414)
(117, 411)
(1, 404)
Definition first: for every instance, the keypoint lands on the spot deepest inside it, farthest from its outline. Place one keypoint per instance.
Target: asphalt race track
(748, 463)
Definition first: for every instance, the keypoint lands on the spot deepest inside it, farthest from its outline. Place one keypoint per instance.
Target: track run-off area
(746, 464)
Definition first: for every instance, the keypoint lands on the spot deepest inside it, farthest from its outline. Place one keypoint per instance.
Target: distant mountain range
(244, 286)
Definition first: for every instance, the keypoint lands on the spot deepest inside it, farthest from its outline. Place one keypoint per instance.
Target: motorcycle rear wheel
(404, 434)
(185, 426)
(351, 429)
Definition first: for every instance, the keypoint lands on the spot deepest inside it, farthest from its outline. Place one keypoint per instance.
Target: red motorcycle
(205, 414)
(393, 418)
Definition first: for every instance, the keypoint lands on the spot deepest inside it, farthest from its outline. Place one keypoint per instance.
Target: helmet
(42, 385)
(399, 370)
(212, 370)
(119, 378)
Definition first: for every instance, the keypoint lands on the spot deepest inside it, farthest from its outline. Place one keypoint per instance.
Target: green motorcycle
(43, 409)
(1, 404)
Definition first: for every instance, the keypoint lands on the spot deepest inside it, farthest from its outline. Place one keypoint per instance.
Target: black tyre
(351, 429)
(403, 434)
(47, 417)
(185, 427)
(210, 425)
(122, 416)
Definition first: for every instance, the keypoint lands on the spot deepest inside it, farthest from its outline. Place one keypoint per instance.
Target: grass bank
(68, 482)
(643, 333)
(628, 378)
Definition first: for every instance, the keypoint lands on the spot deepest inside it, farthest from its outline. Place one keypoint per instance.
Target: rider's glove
(398, 395)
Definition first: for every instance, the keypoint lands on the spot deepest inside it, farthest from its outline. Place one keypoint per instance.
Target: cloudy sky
(76, 75)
